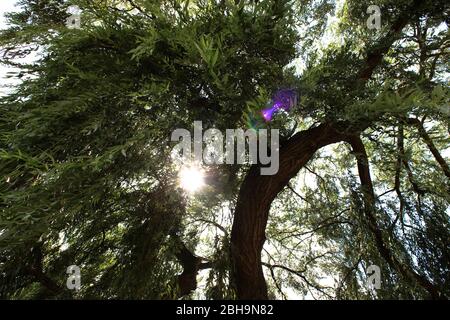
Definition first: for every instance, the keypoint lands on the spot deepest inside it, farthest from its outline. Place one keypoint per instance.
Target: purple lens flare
(283, 99)
(268, 113)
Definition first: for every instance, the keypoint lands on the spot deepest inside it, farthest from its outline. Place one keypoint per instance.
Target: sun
(191, 179)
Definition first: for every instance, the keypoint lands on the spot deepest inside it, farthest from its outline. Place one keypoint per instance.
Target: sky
(5, 6)
(9, 5)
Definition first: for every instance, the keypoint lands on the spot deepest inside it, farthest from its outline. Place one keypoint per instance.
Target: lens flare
(268, 113)
(283, 99)
(254, 122)
(191, 179)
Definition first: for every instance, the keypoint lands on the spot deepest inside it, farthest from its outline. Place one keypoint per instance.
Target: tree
(89, 176)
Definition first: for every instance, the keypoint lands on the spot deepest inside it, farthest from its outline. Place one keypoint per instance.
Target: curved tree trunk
(257, 192)
(256, 195)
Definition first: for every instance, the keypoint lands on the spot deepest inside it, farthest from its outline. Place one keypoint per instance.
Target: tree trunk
(257, 192)
(256, 195)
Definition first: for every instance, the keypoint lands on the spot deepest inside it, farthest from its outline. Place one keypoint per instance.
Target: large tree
(89, 177)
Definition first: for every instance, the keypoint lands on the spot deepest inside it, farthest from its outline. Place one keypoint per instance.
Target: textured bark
(257, 192)
(256, 195)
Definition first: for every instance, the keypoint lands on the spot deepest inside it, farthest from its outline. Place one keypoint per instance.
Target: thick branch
(369, 209)
(375, 56)
(398, 169)
(429, 142)
(255, 197)
(257, 192)
(187, 280)
(46, 281)
(37, 272)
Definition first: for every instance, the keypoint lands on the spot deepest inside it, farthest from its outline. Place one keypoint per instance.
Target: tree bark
(257, 192)
(255, 197)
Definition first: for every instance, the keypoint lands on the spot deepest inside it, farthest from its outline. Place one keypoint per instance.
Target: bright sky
(5, 6)
(189, 179)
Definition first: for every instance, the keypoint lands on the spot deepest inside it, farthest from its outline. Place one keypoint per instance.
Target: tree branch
(187, 280)
(375, 56)
(369, 209)
(429, 142)
(257, 192)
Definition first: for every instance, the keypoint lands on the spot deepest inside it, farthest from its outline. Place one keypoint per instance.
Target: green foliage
(87, 176)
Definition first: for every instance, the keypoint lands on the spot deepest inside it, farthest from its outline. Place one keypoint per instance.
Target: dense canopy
(88, 175)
